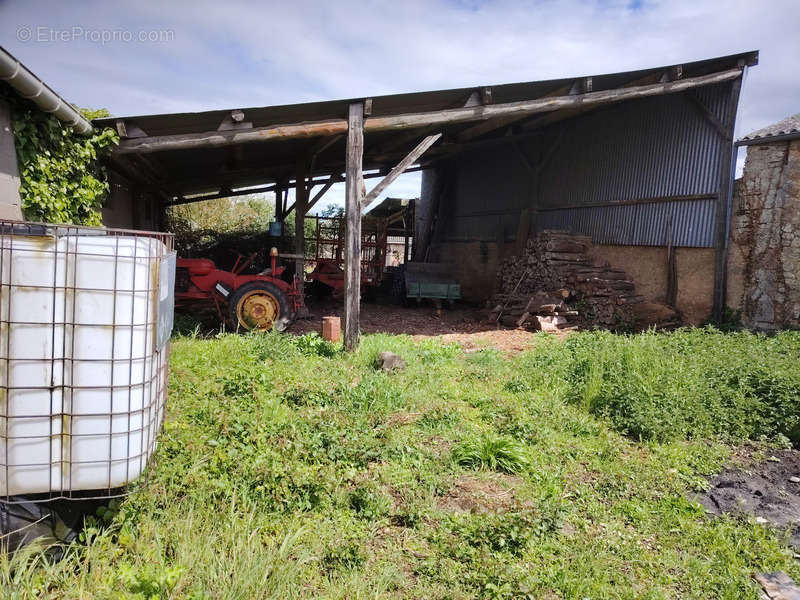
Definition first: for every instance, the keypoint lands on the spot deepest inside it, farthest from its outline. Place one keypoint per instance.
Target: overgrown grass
(690, 384)
(288, 469)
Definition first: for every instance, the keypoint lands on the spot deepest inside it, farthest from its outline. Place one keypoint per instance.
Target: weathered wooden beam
(300, 197)
(230, 138)
(315, 151)
(335, 178)
(706, 112)
(223, 193)
(646, 200)
(352, 256)
(422, 119)
(278, 202)
(244, 178)
(480, 113)
(476, 98)
(526, 161)
(323, 144)
(410, 158)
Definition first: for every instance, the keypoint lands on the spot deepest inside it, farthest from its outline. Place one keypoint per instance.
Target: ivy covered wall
(61, 177)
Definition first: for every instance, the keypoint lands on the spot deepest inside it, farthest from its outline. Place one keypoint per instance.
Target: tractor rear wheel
(259, 306)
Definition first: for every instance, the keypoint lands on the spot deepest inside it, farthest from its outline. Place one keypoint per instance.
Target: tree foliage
(61, 177)
(223, 215)
(225, 228)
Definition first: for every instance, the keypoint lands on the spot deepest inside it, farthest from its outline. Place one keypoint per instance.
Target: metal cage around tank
(85, 318)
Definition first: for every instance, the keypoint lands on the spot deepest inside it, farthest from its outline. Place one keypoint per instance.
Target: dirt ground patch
(402, 418)
(510, 341)
(481, 495)
(767, 489)
(461, 324)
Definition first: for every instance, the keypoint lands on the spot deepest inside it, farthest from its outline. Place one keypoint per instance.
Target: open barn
(638, 165)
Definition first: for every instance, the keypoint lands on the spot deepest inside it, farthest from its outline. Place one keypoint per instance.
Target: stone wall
(764, 247)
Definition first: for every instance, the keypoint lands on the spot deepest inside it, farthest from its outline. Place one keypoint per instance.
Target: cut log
(554, 271)
(565, 245)
(578, 257)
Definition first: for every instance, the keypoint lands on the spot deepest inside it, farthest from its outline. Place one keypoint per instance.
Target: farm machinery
(260, 301)
(386, 236)
(271, 299)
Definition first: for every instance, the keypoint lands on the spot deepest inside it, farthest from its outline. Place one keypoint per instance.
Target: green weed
(492, 452)
(312, 344)
(287, 470)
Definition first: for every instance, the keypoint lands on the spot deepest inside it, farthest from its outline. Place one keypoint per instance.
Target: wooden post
(300, 192)
(724, 201)
(353, 195)
(672, 268)
(523, 231)
(278, 203)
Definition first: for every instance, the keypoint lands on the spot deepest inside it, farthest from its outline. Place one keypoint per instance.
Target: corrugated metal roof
(178, 123)
(785, 129)
(180, 172)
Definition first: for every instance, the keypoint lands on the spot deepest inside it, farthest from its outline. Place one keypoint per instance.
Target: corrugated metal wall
(642, 224)
(600, 170)
(485, 196)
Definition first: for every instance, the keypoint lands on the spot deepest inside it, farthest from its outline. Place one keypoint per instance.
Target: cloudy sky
(174, 56)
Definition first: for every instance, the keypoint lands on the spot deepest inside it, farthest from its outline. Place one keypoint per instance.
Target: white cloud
(260, 53)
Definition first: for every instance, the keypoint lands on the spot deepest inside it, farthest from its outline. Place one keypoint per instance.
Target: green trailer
(431, 280)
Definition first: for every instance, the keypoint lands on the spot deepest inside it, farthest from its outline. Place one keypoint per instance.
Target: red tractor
(252, 302)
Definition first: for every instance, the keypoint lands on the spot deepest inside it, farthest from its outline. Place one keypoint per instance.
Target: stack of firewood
(555, 284)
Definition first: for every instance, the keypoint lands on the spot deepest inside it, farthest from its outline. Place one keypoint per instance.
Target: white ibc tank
(82, 365)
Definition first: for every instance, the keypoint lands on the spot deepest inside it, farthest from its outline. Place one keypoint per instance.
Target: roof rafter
(420, 119)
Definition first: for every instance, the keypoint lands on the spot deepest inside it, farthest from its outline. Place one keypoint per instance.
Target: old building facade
(764, 250)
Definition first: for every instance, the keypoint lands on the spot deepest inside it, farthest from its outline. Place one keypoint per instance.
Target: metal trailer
(433, 281)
